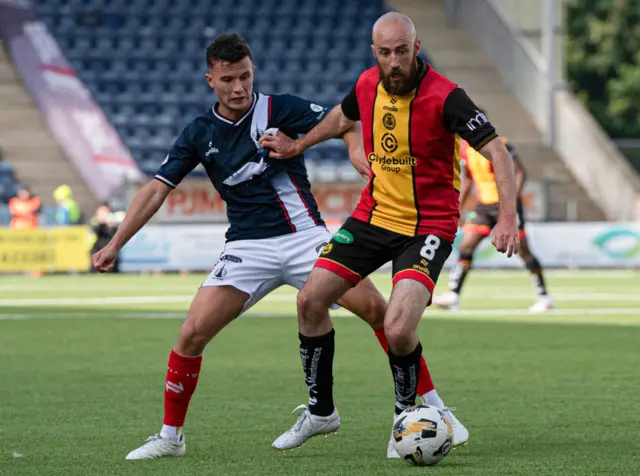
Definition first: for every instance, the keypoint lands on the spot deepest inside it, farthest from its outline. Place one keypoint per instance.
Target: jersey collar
(239, 121)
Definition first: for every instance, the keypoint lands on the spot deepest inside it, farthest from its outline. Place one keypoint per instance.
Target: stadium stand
(143, 60)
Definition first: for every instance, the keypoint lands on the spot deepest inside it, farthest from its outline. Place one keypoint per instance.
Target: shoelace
(154, 437)
(301, 417)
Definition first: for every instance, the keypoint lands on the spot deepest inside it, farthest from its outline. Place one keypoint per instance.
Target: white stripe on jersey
(167, 181)
(297, 210)
(260, 119)
(246, 172)
(259, 122)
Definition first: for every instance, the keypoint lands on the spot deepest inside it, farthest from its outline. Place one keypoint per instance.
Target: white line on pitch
(592, 316)
(80, 301)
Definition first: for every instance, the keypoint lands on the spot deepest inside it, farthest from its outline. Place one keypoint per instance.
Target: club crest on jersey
(389, 121)
(327, 249)
(256, 134)
(321, 246)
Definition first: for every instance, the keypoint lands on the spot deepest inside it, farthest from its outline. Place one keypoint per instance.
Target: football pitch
(83, 359)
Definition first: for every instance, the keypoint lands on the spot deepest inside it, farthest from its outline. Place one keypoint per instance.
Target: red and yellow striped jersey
(481, 171)
(413, 146)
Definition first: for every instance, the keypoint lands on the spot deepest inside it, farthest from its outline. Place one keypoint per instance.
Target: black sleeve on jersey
(350, 106)
(181, 159)
(294, 114)
(461, 116)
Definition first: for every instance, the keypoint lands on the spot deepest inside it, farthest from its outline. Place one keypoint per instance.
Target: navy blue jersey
(265, 197)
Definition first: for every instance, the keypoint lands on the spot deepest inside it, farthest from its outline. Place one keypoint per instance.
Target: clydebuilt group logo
(392, 164)
(619, 243)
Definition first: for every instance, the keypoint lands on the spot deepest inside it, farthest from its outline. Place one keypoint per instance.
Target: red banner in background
(77, 123)
(196, 201)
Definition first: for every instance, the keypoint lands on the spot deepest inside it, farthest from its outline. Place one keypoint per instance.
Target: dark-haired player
(479, 171)
(412, 120)
(275, 230)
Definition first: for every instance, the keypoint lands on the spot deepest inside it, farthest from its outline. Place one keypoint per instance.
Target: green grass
(82, 381)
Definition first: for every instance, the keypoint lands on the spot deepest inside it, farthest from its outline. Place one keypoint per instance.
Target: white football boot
(306, 426)
(460, 433)
(158, 446)
(391, 450)
(543, 304)
(448, 300)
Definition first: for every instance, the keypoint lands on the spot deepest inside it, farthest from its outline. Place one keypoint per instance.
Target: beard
(402, 86)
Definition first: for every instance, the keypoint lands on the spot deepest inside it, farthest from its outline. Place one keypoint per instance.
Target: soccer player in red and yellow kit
(412, 119)
(479, 171)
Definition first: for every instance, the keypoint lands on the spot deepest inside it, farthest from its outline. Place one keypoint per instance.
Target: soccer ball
(423, 435)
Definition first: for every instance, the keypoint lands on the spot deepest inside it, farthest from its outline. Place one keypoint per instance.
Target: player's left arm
(521, 175)
(461, 116)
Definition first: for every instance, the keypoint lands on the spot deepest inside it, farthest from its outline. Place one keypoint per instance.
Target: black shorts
(485, 217)
(360, 248)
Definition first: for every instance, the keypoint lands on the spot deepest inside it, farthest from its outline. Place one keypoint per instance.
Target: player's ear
(210, 81)
(373, 50)
(417, 47)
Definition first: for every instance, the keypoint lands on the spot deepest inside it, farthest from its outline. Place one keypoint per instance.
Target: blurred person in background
(67, 210)
(24, 209)
(104, 225)
(482, 220)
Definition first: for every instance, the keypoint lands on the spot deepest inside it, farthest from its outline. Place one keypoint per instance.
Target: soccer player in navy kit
(275, 230)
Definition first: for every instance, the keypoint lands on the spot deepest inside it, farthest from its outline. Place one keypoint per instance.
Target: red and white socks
(180, 384)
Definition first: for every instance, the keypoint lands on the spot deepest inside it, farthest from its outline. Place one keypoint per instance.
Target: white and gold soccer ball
(423, 435)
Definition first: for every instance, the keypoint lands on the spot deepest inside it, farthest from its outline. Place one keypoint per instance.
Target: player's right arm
(181, 160)
(144, 205)
(357, 157)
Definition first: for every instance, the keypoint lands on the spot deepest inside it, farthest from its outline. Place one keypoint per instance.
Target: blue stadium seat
(143, 60)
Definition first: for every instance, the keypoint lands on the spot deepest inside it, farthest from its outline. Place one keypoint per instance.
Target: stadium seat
(143, 60)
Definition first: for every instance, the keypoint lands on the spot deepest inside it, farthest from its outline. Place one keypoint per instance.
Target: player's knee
(192, 340)
(400, 337)
(309, 304)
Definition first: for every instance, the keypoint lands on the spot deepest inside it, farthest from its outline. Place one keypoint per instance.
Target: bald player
(412, 119)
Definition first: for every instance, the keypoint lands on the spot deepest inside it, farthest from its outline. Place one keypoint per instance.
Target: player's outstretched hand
(280, 146)
(506, 237)
(104, 259)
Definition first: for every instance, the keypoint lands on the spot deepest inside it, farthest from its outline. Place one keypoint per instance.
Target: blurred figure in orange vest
(24, 209)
